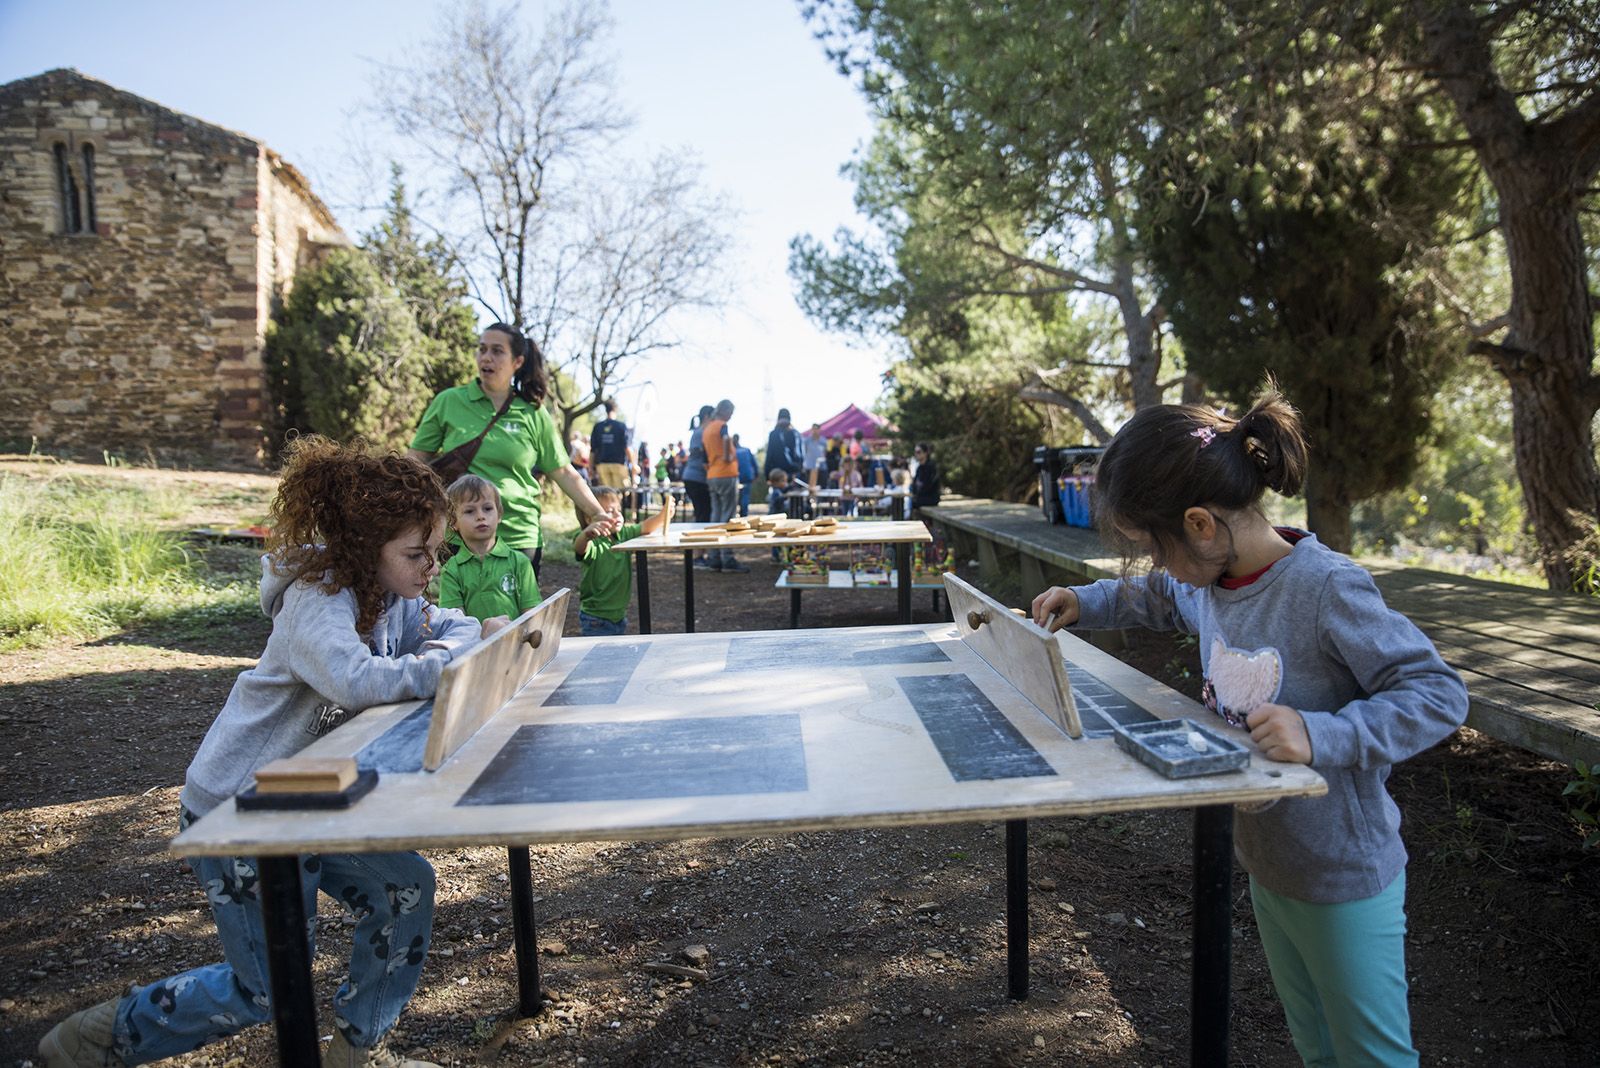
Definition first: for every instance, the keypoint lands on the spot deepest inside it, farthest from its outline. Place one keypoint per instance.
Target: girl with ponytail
(1298, 649)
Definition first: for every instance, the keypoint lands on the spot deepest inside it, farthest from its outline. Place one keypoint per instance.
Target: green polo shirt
(607, 583)
(522, 442)
(499, 583)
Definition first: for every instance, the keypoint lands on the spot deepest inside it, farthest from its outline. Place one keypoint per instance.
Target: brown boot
(83, 1040)
(341, 1054)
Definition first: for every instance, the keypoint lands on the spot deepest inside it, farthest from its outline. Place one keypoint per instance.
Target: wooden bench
(1530, 658)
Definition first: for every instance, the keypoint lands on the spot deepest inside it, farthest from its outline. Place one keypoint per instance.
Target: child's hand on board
(1058, 601)
(1280, 731)
(494, 624)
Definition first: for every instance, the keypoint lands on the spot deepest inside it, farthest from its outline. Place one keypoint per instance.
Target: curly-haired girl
(355, 541)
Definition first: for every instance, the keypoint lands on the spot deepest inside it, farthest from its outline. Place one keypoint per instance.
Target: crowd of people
(809, 460)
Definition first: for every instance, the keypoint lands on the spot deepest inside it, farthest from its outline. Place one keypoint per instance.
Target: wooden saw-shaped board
(1025, 654)
(475, 687)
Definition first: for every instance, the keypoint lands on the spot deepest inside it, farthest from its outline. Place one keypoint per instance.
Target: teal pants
(1340, 971)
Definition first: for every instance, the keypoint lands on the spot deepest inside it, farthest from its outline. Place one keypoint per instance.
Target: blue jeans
(389, 894)
(598, 627)
(724, 502)
(1340, 971)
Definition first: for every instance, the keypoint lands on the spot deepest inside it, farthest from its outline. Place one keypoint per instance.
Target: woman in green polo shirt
(522, 442)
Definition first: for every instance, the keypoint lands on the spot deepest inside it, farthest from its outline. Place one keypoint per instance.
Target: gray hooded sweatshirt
(315, 673)
(1312, 633)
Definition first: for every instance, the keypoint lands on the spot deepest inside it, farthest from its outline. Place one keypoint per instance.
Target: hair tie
(1206, 434)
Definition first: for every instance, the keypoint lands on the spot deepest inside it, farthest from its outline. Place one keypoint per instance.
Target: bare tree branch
(590, 258)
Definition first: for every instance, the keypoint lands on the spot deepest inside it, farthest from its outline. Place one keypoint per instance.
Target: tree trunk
(1328, 510)
(1546, 357)
(1540, 171)
(1144, 359)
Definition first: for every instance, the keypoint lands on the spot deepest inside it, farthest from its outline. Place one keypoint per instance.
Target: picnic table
(895, 500)
(900, 534)
(839, 579)
(656, 738)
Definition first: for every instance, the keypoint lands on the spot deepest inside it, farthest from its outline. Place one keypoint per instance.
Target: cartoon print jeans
(389, 894)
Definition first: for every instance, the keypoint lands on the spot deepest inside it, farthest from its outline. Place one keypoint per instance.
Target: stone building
(142, 252)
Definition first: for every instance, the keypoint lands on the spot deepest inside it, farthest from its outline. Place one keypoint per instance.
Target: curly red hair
(336, 508)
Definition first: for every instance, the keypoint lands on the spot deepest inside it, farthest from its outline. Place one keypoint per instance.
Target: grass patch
(85, 558)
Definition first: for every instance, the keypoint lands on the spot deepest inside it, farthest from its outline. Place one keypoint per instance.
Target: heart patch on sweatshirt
(1237, 682)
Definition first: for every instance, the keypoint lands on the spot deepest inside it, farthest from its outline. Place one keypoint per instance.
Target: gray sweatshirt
(315, 673)
(1312, 633)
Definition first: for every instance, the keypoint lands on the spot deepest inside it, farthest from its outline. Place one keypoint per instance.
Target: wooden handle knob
(976, 619)
(535, 639)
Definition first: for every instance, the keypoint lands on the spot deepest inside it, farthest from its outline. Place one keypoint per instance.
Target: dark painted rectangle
(706, 756)
(1101, 708)
(601, 676)
(972, 735)
(818, 652)
(399, 749)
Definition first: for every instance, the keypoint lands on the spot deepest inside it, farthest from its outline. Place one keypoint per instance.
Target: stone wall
(147, 329)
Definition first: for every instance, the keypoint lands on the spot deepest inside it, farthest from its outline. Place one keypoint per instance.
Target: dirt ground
(845, 948)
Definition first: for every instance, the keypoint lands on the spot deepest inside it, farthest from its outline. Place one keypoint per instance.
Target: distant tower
(769, 410)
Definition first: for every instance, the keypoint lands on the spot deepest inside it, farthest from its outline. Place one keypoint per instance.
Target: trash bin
(1076, 483)
(1048, 460)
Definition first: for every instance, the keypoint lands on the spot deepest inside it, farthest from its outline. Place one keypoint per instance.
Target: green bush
(344, 356)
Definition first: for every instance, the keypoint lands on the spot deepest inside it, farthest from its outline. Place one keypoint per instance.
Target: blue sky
(741, 83)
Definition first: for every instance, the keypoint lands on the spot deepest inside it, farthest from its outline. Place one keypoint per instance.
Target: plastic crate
(1074, 495)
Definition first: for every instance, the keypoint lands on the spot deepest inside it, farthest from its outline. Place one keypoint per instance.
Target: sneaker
(341, 1054)
(735, 566)
(703, 564)
(82, 1040)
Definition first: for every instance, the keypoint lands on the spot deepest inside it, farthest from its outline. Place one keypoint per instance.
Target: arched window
(67, 188)
(88, 189)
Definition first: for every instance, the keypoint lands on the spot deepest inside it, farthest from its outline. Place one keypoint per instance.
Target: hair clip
(1206, 435)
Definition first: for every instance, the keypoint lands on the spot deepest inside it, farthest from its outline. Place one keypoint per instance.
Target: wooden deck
(1530, 658)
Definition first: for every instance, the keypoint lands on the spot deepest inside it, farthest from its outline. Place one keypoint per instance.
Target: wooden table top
(673, 736)
(849, 532)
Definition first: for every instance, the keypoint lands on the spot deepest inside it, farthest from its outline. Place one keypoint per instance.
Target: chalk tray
(253, 800)
(1165, 745)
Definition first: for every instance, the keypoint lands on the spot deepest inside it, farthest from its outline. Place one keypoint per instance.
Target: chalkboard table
(899, 533)
(692, 735)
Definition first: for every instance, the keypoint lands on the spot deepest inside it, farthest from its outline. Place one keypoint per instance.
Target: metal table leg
(1213, 934)
(1017, 910)
(641, 561)
(688, 592)
(283, 914)
(794, 609)
(530, 998)
(902, 563)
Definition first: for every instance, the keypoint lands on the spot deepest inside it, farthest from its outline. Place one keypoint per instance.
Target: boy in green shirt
(607, 583)
(486, 580)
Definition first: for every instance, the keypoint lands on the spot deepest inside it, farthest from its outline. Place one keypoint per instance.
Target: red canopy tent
(847, 422)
